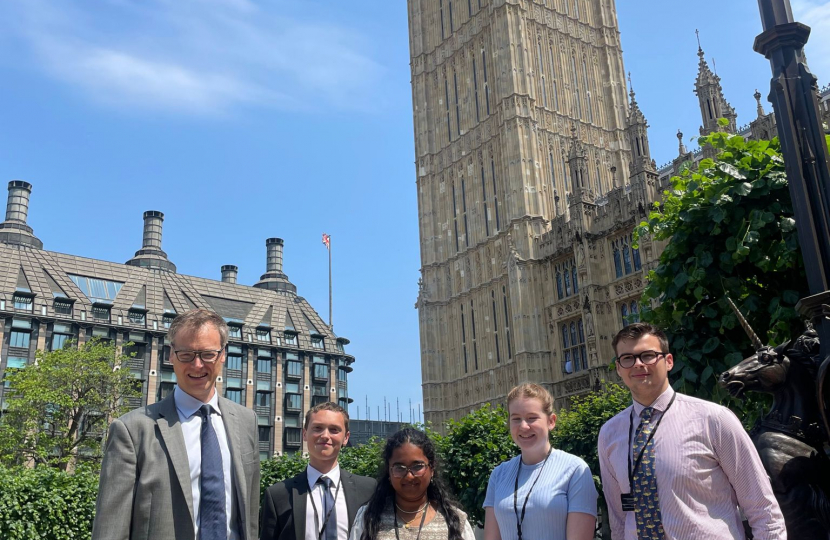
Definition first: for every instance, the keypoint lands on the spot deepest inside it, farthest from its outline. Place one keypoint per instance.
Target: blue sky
(242, 120)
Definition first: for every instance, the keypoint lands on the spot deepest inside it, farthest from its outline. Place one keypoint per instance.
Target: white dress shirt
(187, 406)
(315, 490)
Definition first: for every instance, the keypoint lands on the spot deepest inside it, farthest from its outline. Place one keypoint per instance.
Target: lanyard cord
(328, 515)
(420, 527)
(633, 470)
(520, 520)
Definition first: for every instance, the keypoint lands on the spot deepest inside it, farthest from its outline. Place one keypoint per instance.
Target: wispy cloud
(192, 56)
(816, 13)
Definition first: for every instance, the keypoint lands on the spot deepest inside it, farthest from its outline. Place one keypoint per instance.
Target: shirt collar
(660, 403)
(313, 475)
(187, 405)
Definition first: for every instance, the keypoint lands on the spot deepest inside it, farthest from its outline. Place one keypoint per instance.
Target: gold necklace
(417, 513)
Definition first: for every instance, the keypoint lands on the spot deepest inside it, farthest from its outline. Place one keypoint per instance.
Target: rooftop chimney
(151, 255)
(15, 230)
(229, 272)
(274, 278)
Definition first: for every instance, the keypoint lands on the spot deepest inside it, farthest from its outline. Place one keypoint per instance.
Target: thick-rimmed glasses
(399, 471)
(646, 357)
(207, 357)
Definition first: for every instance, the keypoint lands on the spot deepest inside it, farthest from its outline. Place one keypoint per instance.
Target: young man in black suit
(321, 502)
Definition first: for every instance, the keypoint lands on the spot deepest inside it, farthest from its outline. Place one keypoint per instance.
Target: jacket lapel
(299, 498)
(235, 444)
(171, 432)
(348, 492)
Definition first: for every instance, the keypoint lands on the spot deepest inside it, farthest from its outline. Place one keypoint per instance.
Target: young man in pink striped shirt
(674, 466)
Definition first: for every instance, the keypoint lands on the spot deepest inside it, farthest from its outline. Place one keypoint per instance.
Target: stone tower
(497, 86)
(713, 104)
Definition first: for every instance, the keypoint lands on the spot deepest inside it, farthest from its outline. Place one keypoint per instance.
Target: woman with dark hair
(410, 501)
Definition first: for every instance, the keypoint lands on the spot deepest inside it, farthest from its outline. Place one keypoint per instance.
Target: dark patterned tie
(328, 504)
(213, 523)
(647, 509)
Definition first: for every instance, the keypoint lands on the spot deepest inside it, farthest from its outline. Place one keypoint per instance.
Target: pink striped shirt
(706, 467)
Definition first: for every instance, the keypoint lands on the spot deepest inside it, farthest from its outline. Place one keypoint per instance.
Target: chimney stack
(15, 230)
(151, 255)
(229, 273)
(274, 262)
(274, 278)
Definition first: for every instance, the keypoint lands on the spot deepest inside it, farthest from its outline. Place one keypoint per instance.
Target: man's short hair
(327, 406)
(197, 318)
(635, 331)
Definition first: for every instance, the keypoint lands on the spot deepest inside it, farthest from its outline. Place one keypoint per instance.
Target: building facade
(281, 358)
(533, 168)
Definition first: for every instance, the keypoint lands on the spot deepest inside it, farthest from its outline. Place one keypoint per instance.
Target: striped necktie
(647, 509)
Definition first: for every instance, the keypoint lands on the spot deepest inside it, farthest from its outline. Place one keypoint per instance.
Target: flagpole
(330, 325)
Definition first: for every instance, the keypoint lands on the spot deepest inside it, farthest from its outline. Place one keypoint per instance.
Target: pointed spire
(681, 147)
(761, 112)
(635, 115)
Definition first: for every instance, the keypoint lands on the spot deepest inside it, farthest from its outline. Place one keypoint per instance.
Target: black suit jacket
(284, 504)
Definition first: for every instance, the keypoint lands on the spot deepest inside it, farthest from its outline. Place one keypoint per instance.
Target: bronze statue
(791, 438)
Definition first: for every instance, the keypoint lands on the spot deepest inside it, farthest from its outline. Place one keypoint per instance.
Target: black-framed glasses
(208, 356)
(646, 357)
(417, 469)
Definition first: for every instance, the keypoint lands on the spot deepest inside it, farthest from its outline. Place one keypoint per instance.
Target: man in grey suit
(188, 466)
(320, 503)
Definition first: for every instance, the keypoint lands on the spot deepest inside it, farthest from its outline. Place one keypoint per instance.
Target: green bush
(44, 503)
(279, 468)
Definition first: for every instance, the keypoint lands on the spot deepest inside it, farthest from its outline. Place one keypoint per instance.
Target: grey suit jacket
(284, 504)
(144, 490)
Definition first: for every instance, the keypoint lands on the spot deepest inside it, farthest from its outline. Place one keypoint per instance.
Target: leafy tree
(471, 450)
(730, 230)
(62, 405)
(365, 459)
(577, 429)
(279, 468)
(46, 503)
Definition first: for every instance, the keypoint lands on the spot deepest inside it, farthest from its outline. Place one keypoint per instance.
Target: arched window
(573, 275)
(617, 260)
(559, 289)
(567, 364)
(624, 313)
(635, 252)
(626, 253)
(635, 315)
(567, 283)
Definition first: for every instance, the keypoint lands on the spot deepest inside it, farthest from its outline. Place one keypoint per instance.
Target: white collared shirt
(187, 406)
(315, 490)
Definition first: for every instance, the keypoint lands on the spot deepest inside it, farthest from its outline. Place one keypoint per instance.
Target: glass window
(97, 290)
(317, 343)
(263, 353)
(263, 335)
(317, 390)
(573, 344)
(262, 399)
(137, 317)
(234, 361)
(293, 436)
(263, 365)
(63, 308)
(341, 374)
(294, 369)
(290, 339)
(16, 362)
(165, 389)
(294, 401)
(265, 386)
(233, 382)
(19, 339)
(167, 320)
(292, 421)
(59, 341)
(264, 433)
(23, 303)
(235, 331)
(234, 395)
(101, 313)
(321, 371)
(168, 376)
(292, 388)
(136, 350)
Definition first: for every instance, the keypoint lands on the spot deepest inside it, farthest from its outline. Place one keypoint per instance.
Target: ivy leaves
(730, 230)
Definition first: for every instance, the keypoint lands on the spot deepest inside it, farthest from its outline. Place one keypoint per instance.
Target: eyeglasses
(399, 471)
(646, 357)
(208, 357)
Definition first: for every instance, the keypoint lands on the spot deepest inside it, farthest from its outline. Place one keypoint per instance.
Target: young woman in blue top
(543, 493)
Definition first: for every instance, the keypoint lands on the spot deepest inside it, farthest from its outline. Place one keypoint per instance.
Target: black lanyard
(520, 520)
(421, 526)
(631, 470)
(328, 515)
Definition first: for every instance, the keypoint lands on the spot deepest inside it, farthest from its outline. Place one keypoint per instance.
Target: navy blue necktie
(213, 523)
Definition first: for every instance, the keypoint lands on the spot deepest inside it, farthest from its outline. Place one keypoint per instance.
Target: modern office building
(533, 167)
(281, 358)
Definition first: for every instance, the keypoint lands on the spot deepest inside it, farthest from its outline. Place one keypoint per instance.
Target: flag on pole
(327, 240)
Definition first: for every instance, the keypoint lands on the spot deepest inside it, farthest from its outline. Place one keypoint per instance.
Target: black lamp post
(794, 97)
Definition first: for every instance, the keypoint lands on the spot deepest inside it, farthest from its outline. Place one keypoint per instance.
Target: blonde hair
(532, 391)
